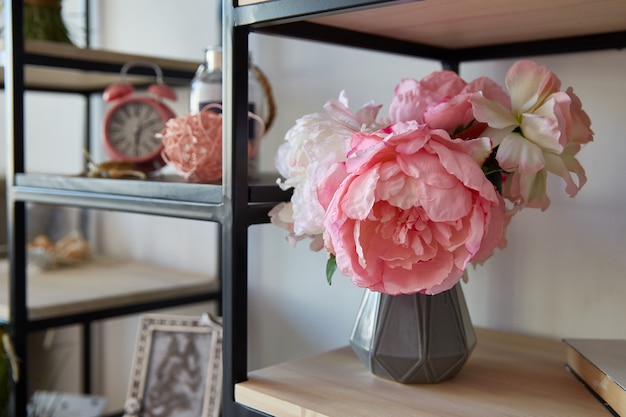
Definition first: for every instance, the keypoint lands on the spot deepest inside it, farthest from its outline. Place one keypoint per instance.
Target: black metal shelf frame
(287, 18)
(159, 198)
(101, 314)
(16, 211)
(450, 57)
(129, 204)
(163, 187)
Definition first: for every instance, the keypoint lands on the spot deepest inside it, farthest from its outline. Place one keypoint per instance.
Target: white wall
(562, 274)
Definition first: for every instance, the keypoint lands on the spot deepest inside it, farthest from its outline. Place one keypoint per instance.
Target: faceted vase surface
(414, 338)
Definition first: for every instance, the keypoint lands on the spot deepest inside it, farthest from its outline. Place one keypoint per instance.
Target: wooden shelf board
(60, 50)
(45, 78)
(101, 283)
(507, 374)
(450, 24)
(74, 80)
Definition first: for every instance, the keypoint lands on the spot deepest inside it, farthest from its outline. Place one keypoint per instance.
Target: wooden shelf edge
(66, 51)
(102, 283)
(76, 78)
(506, 372)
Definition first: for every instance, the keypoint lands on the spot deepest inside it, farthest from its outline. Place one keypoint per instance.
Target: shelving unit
(448, 31)
(444, 30)
(101, 288)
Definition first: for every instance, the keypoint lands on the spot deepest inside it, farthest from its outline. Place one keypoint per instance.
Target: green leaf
(331, 267)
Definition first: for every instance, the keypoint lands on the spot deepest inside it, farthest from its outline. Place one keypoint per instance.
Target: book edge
(597, 381)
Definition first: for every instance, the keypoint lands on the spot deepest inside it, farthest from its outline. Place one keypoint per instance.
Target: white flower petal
(491, 112)
(543, 132)
(515, 153)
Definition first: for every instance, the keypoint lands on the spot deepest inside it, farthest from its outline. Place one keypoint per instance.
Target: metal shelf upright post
(16, 210)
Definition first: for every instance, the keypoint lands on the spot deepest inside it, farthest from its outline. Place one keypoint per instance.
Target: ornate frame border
(175, 324)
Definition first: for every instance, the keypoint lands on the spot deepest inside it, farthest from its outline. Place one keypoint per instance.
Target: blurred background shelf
(104, 287)
(52, 66)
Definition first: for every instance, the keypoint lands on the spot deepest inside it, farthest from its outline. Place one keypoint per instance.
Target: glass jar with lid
(206, 89)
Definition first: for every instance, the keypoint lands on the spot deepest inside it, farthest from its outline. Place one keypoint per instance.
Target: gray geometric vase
(414, 339)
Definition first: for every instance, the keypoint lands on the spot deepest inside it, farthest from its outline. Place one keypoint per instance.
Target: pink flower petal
(359, 198)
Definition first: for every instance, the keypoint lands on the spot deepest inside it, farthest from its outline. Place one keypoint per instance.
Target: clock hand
(137, 132)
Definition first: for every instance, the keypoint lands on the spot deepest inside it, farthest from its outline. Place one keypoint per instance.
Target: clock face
(132, 128)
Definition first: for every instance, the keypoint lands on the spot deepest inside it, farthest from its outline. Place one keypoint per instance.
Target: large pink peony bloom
(408, 213)
(541, 131)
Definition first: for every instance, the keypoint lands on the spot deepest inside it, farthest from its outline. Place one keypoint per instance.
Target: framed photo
(177, 368)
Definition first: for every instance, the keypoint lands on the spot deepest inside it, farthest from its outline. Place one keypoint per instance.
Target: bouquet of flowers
(404, 204)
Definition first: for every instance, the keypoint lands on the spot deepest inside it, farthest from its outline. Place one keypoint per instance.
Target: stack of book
(601, 365)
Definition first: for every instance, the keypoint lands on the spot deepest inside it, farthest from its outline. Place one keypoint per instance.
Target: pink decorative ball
(192, 145)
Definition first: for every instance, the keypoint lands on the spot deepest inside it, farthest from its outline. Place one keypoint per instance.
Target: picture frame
(177, 367)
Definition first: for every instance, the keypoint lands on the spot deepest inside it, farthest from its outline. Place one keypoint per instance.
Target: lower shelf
(507, 375)
(104, 284)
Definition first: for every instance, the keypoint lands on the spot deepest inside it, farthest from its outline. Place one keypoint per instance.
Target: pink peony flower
(405, 208)
(540, 132)
(412, 97)
(408, 213)
(441, 101)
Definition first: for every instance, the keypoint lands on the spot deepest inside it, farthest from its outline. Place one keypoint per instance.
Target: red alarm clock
(133, 123)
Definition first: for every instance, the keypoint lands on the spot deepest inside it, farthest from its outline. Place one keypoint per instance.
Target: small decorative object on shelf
(206, 85)
(43, 21)
(177, 368)
(50, 404)
(133, 122)
(405, 205)
(601, 365)
(111, 169)
(192, 144)
(206, 89)
(70, 250)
